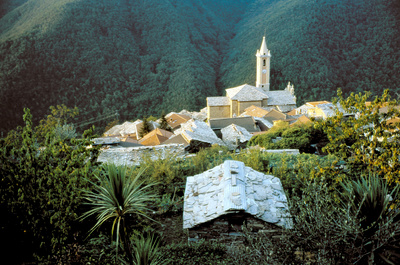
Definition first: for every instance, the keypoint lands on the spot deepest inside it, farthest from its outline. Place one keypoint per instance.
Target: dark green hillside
(320, 46)
(8, 5)
(138, 58)
(132, 57)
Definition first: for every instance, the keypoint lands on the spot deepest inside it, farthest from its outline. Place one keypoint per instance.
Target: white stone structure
(199, 131)
(232, 187)
(133, 156)
(263, 66)
(234, 135)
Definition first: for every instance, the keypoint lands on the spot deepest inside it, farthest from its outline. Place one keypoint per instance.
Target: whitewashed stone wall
(132, 156)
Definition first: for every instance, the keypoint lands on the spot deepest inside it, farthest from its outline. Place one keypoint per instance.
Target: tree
(298, 136)
(365, 135)
(145, 129)
(117, 196)
(41, 187)
(60, 116)
(164, 124)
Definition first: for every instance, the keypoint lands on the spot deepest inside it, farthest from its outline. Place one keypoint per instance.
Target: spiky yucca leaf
(115, 196)
(369, 201)
(145, 250)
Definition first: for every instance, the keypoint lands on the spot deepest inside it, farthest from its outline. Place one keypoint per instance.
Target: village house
(175, 120)
(239, 98)
(155, 137)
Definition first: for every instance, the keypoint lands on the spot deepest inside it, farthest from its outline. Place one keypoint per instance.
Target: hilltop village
(229, 120)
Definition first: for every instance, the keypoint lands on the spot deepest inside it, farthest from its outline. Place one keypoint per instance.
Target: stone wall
(229, 228)
(132, 156)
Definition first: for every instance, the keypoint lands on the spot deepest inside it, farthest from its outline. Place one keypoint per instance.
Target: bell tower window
(263, 62)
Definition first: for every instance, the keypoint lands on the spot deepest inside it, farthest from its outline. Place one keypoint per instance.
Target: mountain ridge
(140, 58)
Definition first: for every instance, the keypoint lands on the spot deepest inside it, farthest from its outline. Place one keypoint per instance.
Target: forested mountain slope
(141, 57)
(320, 45)
(134, 57)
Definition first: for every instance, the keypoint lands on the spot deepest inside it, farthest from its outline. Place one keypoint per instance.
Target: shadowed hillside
(135, 58)
(320, 46)
(132, 57)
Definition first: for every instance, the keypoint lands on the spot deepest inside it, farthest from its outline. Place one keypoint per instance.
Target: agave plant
(117, 196)
(145, 250)
(370, 201)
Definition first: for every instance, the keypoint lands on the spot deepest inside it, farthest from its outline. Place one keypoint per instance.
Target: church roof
(263, 48)
(246, 93)
(218, 101)
(280, 97)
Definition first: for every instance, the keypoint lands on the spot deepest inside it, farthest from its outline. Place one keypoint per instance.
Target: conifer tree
(164, 124)
(145, 127)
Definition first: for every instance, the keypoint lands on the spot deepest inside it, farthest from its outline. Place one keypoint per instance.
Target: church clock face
(264, 71)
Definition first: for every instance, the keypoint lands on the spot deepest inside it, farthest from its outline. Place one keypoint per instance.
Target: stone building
(239, 98)
(232, 193)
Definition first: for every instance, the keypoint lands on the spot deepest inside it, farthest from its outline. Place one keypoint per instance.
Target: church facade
(239, 98)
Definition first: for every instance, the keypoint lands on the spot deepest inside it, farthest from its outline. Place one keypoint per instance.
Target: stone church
(239, 98)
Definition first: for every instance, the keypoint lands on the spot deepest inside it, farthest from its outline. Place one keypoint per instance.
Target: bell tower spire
(263, 66)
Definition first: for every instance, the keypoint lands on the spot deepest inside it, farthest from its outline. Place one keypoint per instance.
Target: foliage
(41, 187)
(170, 203)
(164, 123)
(290, 137)
(99, 250)
(370, 201)
(145, 128)
(146, 250)
(61, 119)
(117, 196)
(365, 136)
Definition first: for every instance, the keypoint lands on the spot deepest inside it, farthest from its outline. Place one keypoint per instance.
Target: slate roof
(329, 109)
(246, 122)
(301, 119)
(106, 141)
(218, 101)
(255, 111)
(280, 97)
(232, 187)
(246, 93)
(274, 115)
(175, 120)
(316, 103)
(233, 135)
(199, 131)
(156, 137)
(265, 124)
(177, 139)
(123, 129)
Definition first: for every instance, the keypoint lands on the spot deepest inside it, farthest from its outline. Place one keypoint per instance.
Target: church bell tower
(263, 66)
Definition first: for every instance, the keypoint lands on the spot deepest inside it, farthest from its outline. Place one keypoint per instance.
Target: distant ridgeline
(142, 57)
